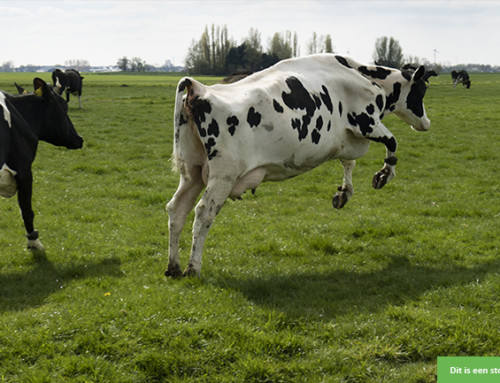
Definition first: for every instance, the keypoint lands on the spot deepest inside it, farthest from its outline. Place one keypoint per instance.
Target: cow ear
(419, 73)
(41, 88)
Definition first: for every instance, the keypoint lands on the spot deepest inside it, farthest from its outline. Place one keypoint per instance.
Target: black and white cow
(460, 76)
(69, 81)
(24, 120)
(279, 123)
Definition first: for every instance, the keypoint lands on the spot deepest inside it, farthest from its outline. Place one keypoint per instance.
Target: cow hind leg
(345, 191)
(178, 209)
(205, 212)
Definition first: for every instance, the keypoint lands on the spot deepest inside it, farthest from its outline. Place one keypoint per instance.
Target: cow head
(410, 105)
(56, 127)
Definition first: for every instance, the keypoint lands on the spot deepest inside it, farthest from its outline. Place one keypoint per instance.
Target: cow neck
(31, 108)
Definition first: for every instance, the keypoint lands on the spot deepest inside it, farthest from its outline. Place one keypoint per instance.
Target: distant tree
(328, 44)
(208, 54)
(312, 45)
(388, 52)
(138, 65)
(319, 44)
(78, 64)
(253, 40)
(284, 45)
(123, 64)
(7, 66)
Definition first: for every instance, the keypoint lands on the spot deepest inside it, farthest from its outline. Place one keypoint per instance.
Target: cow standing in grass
(68, 81)
(279, 123)
(460, 76)
(24, 120)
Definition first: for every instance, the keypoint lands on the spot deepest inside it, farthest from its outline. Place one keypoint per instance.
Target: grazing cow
(24, 120)
(69, 81)
(276, 124)
(460, 77)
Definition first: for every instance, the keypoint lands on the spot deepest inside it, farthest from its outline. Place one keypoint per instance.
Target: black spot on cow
(370, 109)
(340, 108)
(209, 144)
(363, 121)
(343, 61)
(277, 106)
(390, 143)
(319, 123)
(299, 98)
(329, 126)
(378, 72)
(202, 131)
(232, 123)
(302, 130)
(183, 85)
(379, 100)
(253, 117)
(315, 137)
(213, 129)
(392, 99)
(406, 74)
(317, 101)
(415, 98)
(182, 120)
(325, 96)
(199, 108)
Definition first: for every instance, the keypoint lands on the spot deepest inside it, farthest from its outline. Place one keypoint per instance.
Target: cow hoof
(339, 200)
(381, 178)
(191, 272)
(35, 245)
(173, 271)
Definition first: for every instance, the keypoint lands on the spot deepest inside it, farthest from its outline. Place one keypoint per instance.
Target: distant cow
(24, 120)
(460, 77)
(276, 124)
(68, 81)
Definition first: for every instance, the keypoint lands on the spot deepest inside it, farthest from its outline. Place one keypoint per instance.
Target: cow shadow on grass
(336, 293)
(23, 290)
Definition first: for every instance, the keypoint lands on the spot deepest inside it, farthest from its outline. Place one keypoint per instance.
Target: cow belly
(8, 185)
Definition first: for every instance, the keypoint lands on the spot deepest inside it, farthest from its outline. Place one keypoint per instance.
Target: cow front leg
(178, 209)
(205, 212)
(345, 191)
(24, 194)
(381, 134)
(387, 173)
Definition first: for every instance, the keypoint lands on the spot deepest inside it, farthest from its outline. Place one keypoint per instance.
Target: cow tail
(180, 118)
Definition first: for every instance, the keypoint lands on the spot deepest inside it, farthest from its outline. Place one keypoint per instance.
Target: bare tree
(388, 52)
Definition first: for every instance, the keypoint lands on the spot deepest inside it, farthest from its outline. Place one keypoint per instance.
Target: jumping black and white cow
(68, 81)
(24, 120)
(279, 123)
(460, 77)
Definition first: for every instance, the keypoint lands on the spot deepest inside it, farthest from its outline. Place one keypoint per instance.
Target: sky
(52, 32)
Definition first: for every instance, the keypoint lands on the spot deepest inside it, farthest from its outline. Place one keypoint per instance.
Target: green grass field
(292, 290)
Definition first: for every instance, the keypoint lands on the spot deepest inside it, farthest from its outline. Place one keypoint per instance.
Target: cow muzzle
(423, 125)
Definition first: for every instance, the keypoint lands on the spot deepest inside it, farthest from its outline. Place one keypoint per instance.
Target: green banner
(465, 369)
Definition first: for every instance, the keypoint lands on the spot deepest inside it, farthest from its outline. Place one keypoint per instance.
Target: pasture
(291, 290)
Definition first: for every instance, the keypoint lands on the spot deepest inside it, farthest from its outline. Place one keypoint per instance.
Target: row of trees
(217, 54)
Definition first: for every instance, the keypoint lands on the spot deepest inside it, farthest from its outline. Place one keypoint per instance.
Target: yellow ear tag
(39, 92)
